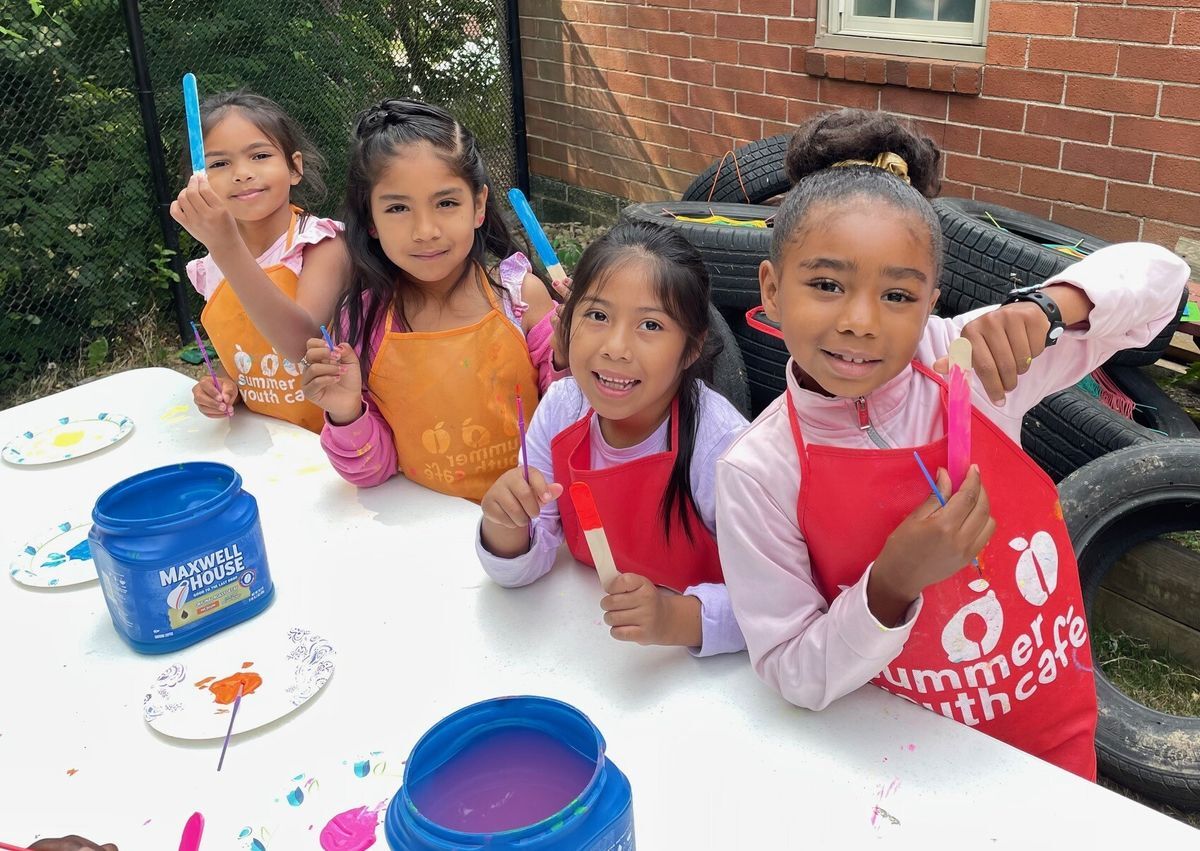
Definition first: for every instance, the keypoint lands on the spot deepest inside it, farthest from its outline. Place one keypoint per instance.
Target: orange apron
(449, 397)
(269, 383)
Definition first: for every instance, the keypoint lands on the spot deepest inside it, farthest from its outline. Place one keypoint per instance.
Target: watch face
(1055, 332)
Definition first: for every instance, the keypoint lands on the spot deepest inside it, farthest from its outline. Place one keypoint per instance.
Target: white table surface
(389, 575)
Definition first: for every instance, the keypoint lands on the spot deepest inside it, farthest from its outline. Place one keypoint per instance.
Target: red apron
(1007, 654)
(629, 499)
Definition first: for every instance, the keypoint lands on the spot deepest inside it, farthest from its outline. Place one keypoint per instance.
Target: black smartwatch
(1034, 295)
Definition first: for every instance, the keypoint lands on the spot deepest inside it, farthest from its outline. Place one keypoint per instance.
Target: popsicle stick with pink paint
(958, 410)
(593, 532)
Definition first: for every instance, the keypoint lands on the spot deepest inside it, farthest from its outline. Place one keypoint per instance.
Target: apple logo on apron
(960, 648)
(242, 360)
(1037, 568)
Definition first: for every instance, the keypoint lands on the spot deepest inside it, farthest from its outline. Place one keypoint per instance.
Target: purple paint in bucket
(510, 778)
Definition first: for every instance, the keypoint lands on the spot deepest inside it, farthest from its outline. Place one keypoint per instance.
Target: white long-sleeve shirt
(718, 423)
(813, 652)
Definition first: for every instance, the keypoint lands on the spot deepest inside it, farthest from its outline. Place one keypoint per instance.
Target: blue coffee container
(599, 819)
(180, 554)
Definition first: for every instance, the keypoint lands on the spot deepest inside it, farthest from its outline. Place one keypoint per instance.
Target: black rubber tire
(761, 166)
(1117, 501)
(984, 263)
(731, 254)
(765, 357)
(1156, 410)
(729, 371)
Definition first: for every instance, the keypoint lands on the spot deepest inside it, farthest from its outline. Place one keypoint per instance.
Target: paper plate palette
(56, 558)
(193, 700)
(67, 437)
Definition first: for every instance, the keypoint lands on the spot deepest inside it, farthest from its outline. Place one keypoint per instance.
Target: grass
(1152, 678)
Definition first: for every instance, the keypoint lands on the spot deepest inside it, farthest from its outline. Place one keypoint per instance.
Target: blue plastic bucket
(180, 555)
(461, 773)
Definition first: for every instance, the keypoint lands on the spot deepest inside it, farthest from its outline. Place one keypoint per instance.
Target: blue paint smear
(29, 435)
(65, 526)
(363, 768)
(295, 797)
(81, 551)
(31, 550)
(255, 845)
(64, 420)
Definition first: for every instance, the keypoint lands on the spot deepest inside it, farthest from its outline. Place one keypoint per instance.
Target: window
(936, 29)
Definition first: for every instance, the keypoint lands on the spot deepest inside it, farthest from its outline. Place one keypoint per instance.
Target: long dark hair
(279, 127)
(381, 132)
(850, 134)
(681, 284)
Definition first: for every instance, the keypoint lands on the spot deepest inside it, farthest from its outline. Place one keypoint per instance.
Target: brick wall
(1085, 113)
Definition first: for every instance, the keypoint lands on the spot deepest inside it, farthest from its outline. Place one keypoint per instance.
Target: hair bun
(391, 112)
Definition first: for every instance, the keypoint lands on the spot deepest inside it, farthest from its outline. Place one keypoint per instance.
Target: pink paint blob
(353, 830)
(510, 778)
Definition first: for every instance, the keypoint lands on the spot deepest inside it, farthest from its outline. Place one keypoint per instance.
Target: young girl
(434, 350)
(841, 566)
(639, 425)
(273, 272)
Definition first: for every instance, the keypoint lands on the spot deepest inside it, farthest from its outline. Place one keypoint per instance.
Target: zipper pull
(864, 419)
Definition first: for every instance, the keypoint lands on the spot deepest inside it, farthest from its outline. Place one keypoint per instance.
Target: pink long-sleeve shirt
(717, 425)
(813, 652)
(363, 451)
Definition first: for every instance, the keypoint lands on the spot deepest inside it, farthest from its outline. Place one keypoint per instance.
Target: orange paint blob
(71, 772)
(246, 665)
(204, 682)
(1058, 512)
(225, 691)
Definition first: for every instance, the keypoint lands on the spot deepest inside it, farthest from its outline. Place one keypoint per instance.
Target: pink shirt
(205, 275)
(813, 652)
(364, 453)
(719, 423)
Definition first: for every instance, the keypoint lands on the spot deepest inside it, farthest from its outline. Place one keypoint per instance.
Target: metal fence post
(520, 149)
(158, 166)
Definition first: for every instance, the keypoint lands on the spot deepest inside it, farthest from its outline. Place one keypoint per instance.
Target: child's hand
(932, 543)
(70, 843)
(212, 404)
(333, 380)
(1004, 343)
(202, 214)
(638, 611)
(509, 507)
(563, 288)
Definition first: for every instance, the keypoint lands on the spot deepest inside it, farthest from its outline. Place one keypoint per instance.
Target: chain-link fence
(82, 253)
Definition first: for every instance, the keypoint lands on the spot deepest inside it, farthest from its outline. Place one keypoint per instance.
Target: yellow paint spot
(175, 415)
(68, 438)
(312, 468)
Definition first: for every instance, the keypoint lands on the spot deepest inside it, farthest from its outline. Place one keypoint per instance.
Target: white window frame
(839, 29)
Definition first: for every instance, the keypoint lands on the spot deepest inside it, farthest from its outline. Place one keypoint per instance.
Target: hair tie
(889, 162)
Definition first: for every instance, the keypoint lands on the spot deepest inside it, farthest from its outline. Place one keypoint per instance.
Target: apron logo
(958, 647)
(436, 440)
(290, 368)
(475, 435)
(1037, 568)
(270, 364)
(242, 360)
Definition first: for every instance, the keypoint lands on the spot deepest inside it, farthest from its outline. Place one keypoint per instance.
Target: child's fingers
(634, 634)
(942, 366)
(625, 583)
(1022, 351)
(316, 352)
(344, 353)
(959, 506)
(623, 617)
(506, 511)
(982, 538)
(986, 370)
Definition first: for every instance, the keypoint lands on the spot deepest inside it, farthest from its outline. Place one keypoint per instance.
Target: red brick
(648, 64)
(1112, 95)
(982, 172)
(1151, 134)
(764, 7)
(1179, 64)
(706, 143)
(702, 97)
(740, 79)
(1187, 28)
(742, 27)
(1019, 148)
(776, 128)
(1114, 228)
(1033, 206)
(1068, 123)
(693, 119)
(609, 14)
(791, 31)
(1180, 102)
(849, 94)
(950, 189)
(1158, 2)
(651, 110)
(1118, 163)
(628, 38)
(1071, 55)
(1060, 186)
(630, 149)
(792, 85)
(1178, 207)
(693, 23)
(856, 68)
(876, 69)
(913, 102)
(799, 54)
(1177, 174)
(968, 79)
(1004, 115)
(814, 63)
(941, 76)
(918, 75)
(692, 71)
(1166, 234)
(740, 128)
(669, 44)
(715, 50)
(897, 72)
(765, 56)
(1023, 85)
(800, 111)
(962, 139)
(835, 64)
(628, 84)
(762, 106)
(647, 18)
(804, 8)
(1035, 18)
(690, 161)
(605, 57)
(1007, 50)
(1148, 25)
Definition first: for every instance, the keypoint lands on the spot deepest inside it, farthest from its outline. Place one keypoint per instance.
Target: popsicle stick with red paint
(958, 413)
(593, 532)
